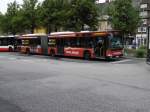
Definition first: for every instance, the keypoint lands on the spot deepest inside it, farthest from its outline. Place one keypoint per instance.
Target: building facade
(144, 10)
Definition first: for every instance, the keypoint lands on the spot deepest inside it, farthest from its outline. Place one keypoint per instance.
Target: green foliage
(30, 14)
(83, 12)
(143, 47)
(69, 14)
(140, 53)
(11, 22)
(55, 15)
(124, 16)
(1, 17)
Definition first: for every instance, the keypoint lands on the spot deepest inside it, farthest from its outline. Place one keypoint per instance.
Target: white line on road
(122, 61)
(12, 58)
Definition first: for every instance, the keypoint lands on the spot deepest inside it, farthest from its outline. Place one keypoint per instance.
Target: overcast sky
(3, 4)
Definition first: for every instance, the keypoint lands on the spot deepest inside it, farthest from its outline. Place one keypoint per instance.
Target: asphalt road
(43, 84)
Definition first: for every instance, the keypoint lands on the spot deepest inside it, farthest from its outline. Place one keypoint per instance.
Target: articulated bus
(87, 45)
(7, 43)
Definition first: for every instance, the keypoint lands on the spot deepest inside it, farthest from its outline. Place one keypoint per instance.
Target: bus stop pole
(148, 46)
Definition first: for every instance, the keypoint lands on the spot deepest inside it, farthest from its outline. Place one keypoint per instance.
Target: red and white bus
(33, 44)
(107, 44)
(7, 43)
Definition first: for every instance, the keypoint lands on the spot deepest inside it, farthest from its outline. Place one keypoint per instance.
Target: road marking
(122, 61)
(12, 58)
(1, 56)
(26, 60)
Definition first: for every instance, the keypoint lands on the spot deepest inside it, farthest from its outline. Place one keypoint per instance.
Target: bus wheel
(10, 49)
(87, 55)
(27, 51)
(52, 53)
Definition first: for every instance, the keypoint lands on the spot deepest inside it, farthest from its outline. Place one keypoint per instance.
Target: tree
(11, 22)
(30, 14)
(54, 13)
(69, 14)
(84, 12)
(1, 17)
(124, 16)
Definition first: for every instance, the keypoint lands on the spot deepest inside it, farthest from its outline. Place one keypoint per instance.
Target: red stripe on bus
(4, 49)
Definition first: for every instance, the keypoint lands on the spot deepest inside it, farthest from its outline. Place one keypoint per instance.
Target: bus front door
(99, 49)
(60, 46)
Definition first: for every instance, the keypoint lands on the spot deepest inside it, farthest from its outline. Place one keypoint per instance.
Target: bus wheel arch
(87, 55)
(10, 49)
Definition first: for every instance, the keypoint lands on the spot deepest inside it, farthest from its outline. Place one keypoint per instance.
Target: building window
(144, 14)
(142, 29)
(144, 21)
(143, 6)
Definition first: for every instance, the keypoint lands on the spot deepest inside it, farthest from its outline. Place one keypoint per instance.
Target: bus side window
(4, 42)
(66, 42)
(35, 41)
(82, 42)
(25, 42)
(78, 42)
(87, 42)
(52, 42)
(73, 42)
(90, 43)
(39, 41)
(32, 42)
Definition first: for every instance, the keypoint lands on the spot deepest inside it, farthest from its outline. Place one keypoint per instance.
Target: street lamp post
(148, 46)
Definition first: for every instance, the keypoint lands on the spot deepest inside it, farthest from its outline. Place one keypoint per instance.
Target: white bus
(7, 43)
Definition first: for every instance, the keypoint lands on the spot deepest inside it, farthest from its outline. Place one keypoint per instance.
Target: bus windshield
(116, 42)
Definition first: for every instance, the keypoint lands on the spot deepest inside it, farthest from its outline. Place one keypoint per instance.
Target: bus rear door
(60, 46)
(44, 45)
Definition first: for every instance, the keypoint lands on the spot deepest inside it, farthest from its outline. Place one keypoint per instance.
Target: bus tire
(52, 53)
(27, 51)
(87, 55)
(10, 49)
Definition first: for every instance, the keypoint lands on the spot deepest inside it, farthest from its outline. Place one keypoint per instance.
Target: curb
(128, 57)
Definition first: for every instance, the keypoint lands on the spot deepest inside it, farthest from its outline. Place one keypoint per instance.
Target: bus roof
(81, 34)
(7, 36)
(57, 33)
(63, 34)
(32, 35)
